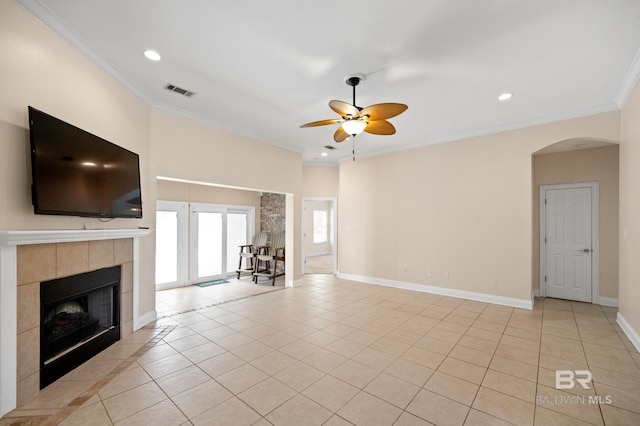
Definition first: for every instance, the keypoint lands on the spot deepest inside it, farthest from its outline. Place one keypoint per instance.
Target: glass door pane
(166, 247)
(216, 232)
(236, 236)
(209, 245)
(171, 239)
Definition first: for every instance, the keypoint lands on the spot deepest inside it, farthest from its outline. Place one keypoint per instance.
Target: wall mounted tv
(76, 173)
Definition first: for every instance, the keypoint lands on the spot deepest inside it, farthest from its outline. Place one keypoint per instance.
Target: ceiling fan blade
(340, 135)
(383, 111)
(380, 127)
(344, 109)
(322, 122)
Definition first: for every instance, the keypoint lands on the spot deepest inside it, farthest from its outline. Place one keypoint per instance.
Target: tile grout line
(219, 303)
(487, 369)
(77, 402)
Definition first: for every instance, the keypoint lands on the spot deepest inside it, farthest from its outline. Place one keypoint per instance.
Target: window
(319, 226)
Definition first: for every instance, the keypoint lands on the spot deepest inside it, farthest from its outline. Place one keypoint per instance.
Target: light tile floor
(182, 299)
(336, 352)
(319, 264)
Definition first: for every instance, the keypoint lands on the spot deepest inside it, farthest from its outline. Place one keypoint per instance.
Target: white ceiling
(262, 68)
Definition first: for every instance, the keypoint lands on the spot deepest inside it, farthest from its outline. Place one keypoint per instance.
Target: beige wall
(585, 165)
(463, 207)
(630, 212)
(194, 193)
(41, 70)
(195, 152)
(320, 181)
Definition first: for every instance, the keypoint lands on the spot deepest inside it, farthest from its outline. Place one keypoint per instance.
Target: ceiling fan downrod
(353, 82)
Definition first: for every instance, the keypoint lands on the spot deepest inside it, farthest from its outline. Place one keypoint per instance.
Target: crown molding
(516, 125)
(629, 82)
(53, 21)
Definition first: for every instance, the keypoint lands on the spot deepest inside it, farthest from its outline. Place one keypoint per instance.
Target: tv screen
(76, 173)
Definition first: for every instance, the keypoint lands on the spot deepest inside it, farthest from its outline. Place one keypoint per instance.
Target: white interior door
(568, 243)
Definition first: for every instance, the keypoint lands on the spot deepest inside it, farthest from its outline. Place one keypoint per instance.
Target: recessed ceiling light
(505, 96)
(152, 55)
(324, 154)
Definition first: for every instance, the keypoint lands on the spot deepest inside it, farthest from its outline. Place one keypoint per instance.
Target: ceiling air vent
(179, 90)
(330, 148)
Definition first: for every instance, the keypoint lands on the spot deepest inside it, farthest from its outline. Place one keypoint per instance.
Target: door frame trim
(334, 230)
(595, 235)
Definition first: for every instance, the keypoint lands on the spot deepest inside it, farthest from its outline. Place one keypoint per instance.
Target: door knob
(586, 251)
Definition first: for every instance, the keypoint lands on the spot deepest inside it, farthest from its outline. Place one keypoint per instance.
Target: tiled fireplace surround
(29, 257)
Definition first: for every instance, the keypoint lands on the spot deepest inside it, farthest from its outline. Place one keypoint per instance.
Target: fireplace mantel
(9, 241)
(14, 238)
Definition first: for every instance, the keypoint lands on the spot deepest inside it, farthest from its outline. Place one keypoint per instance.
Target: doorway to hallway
(319, 236)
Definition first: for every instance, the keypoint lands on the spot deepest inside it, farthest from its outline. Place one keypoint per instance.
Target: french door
(216, 233)
(199, 242)
(171, 244)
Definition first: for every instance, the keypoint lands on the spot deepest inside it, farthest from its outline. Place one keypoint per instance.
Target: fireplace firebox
(79, 317)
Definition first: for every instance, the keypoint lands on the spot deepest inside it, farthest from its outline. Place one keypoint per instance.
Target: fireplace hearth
(79, 317)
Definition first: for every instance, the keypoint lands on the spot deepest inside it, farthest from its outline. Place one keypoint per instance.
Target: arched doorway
(576, 169)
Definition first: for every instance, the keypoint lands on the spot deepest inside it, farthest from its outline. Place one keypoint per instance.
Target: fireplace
(79, 317)
(29, 257)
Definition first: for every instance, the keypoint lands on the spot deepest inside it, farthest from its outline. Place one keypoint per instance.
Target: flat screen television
(76, 173)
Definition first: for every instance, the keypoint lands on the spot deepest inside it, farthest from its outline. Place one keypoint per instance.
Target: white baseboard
(462, 294)
(145, 319)
(609, 301)
(629, 331)
(318, 254)
(603, 301)
(294, 283)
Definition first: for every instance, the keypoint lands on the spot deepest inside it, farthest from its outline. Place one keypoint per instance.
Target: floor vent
(179, 90)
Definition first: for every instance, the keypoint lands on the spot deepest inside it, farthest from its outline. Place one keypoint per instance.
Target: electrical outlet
(494, 280)
(406, 269)
(428, 272)
(446, 275)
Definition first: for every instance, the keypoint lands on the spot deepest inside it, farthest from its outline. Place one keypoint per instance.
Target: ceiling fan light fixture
(354, 126)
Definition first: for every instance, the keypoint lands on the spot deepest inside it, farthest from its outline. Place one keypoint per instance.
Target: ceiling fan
(354, 119)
